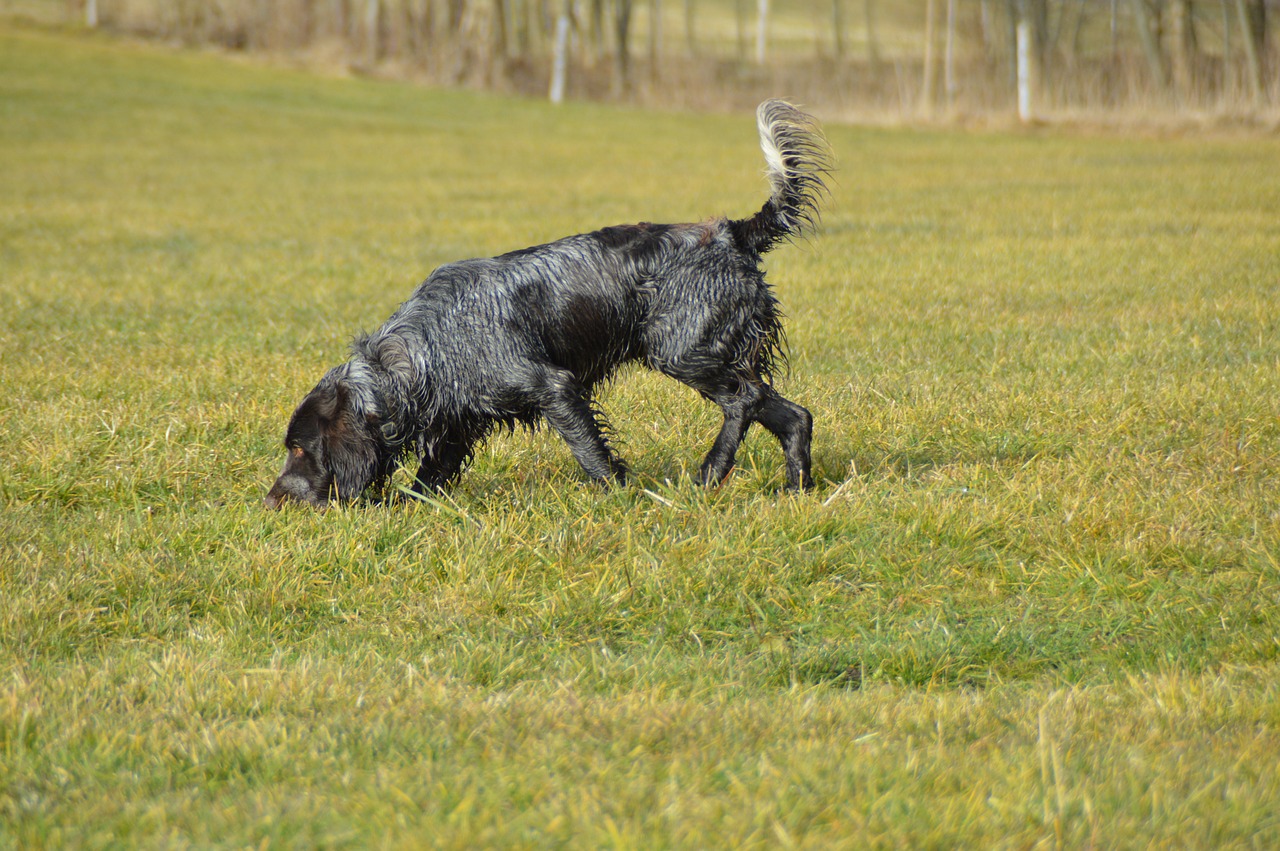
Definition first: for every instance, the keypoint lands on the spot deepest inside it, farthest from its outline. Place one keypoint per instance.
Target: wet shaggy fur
(526, 336)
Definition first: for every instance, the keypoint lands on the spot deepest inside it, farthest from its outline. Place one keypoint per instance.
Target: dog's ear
(314, 414)
(351, 452)
(328, 401)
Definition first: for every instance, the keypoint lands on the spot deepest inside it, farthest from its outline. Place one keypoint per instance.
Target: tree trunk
(338, 25)
(1029, 20)
(873, 45)
(1076, 35)
(1025, 48)
(1253, 24)
(499, 33)
(1184, 48)
(373, 27)
(837, 29)
(690, 29)
(740, 18)
(984, 25)
(1226, 37)
(560, 54)
(304, 33)
(949, 57)
(1150, 44)
(1115, 31)
(597, 29)
(1012, 14)
(655, 39)
(762, 29)
(622, 55)
(930, 60)
(1038, 14)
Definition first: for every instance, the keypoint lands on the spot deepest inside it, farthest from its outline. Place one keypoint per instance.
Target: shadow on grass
(917, 462)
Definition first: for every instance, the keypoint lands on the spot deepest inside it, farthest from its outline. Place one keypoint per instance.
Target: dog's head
(333, 445)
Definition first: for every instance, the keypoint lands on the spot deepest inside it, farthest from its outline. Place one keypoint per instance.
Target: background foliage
(1127, 61)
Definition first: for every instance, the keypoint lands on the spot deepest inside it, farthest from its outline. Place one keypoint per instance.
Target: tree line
(919, 56)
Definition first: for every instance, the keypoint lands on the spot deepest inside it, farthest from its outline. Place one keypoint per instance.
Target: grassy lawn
(1034, 601)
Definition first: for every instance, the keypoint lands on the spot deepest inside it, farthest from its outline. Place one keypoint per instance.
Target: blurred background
(1110, 61)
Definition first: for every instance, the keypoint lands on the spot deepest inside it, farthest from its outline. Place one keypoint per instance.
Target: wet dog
(526, 336)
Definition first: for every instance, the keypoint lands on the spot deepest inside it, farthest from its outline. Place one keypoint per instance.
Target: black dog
(526, 335)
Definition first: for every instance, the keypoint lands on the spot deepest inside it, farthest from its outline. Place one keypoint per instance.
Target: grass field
(1034, 601)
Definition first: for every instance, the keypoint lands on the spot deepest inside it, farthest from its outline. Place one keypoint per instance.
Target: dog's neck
(374, 394)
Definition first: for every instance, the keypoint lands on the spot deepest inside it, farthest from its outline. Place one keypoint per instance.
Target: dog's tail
(797, 161)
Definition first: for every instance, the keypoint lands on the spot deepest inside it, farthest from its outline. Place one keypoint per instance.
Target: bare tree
(1037, 14)
(837, 28)
(1150, 43)
(597, 29)
(949, 56)
(477, 40)
(332, 21)
(1185, 48)
(560, 54)
(373, 30)
(1077, 35)
(1253, 27)
(740, 18)
(1029, 22)
(655, 39)
(762, 29)
(930, 60)
(690, 30)
(1115, 30)
(1226, 37)
(622, 53)
(500, 36)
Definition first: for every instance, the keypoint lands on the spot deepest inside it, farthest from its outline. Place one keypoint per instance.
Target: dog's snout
(290, 489)
(279, 494)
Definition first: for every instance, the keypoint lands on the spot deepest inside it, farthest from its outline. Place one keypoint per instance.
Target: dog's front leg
(440, 466)
(564, 404)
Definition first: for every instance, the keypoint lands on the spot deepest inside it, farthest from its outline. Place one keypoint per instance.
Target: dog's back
(586, 304)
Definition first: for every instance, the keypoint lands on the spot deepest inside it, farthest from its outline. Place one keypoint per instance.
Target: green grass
(1033, 601)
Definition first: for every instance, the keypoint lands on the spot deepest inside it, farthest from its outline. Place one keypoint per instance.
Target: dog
(526, 336)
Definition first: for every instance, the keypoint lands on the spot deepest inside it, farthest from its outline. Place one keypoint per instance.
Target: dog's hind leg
(755, 401)
(739, 410)
(792, 424)
(565, 405)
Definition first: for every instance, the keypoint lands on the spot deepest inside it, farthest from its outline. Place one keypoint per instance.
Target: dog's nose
(271, 501)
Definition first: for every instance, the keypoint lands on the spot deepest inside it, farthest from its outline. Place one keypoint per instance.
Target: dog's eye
(298, 452)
